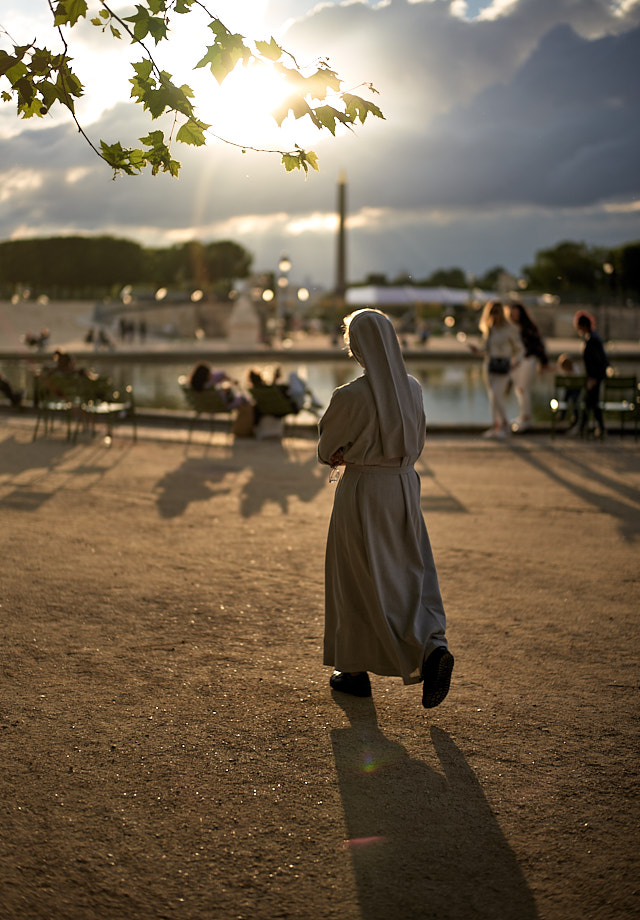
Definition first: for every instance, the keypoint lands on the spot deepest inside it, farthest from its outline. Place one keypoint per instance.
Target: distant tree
(447, 277)
(211, 267)
(625, 278)
(489, 281)
(77, 266)
(568, 268)
(71, 265)
(37, 79)
(403, 278)
(376, 279)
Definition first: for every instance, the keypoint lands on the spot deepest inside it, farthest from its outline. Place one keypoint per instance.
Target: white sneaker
(519, 427)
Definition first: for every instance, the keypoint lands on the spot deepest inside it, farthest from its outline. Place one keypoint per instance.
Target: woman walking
(503, 352)
(534, 355)
(383, 608)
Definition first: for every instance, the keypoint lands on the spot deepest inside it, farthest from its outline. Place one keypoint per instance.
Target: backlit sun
(240, 110)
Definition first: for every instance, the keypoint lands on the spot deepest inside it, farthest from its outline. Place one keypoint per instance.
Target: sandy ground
(169, 744)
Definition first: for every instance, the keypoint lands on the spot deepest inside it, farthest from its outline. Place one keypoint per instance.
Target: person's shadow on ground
(195, 480)
(279, 481)
(423, 844)
(36, 472)
(622, 505)
(272, 474)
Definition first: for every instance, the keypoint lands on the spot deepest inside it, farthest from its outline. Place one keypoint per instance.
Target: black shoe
(360, 685)
(436, 674)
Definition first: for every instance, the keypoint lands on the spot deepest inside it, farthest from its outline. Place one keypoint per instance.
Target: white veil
(374, 345)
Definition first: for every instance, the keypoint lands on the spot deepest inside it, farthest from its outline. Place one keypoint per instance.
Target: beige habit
(383, 609)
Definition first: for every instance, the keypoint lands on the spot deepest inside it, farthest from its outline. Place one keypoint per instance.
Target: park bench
(618, 396)
(205, 402)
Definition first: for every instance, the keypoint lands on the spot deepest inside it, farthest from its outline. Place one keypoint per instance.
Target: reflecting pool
(453, 391)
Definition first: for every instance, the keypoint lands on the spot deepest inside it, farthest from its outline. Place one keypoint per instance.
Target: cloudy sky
(510, 126)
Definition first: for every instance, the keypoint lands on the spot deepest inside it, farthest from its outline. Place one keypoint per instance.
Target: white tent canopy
(407, 295)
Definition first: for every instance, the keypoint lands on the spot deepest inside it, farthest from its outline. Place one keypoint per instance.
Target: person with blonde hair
(383, 608)
(503, 351)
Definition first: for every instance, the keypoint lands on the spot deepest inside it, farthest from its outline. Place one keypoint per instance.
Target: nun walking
(383, 608)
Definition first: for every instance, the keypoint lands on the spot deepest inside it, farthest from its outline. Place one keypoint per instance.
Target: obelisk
(341, 261)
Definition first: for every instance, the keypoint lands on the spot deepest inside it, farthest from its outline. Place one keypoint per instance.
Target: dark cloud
(564, 131)
(536, 110)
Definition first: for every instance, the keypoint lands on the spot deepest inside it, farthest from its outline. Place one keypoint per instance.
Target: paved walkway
(169, 744)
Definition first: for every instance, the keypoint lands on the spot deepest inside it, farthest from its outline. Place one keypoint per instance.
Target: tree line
(571, 270)
(67, 267)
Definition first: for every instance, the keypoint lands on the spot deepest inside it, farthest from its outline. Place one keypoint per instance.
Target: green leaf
(356, 107)
(218, 28)
(7, 61)
(270, 50)
(327, 116)
(222, 57)
(192, 132)
(174, 97)
(133, 160)
(49, 92)
(143, 68)
(16, 72)
(312, 160)
(303, 159)
(323, 81)
(68, 85)
(153, 139)
(144, 24)
(159, 155)
(120, 159)
(68, 12)
(40, 62)
(290, 161)
(293, 104)
(34, 107)
(26, 93)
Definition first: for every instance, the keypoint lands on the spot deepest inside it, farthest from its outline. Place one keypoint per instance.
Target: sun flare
(240, 110)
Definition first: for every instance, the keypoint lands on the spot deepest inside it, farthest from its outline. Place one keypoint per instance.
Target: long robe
(383, 608)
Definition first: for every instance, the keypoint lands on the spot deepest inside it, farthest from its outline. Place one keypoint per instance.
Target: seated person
(300, 394)
(295, 389)
(204, 377)
(64, 366)
(14, 396)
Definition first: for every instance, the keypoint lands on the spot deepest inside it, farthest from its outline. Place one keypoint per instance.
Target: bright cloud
(509, 126)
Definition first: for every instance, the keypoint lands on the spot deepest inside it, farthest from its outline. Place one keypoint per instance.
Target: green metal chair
(620, 397)
(204, 402)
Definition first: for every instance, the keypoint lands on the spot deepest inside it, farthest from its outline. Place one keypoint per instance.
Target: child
(572, 395)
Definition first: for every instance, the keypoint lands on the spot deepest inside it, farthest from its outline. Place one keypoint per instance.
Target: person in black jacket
(535, 356)
(596, 364)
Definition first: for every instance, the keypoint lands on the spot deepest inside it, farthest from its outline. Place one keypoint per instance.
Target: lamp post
(610, 272)
(284, 267)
